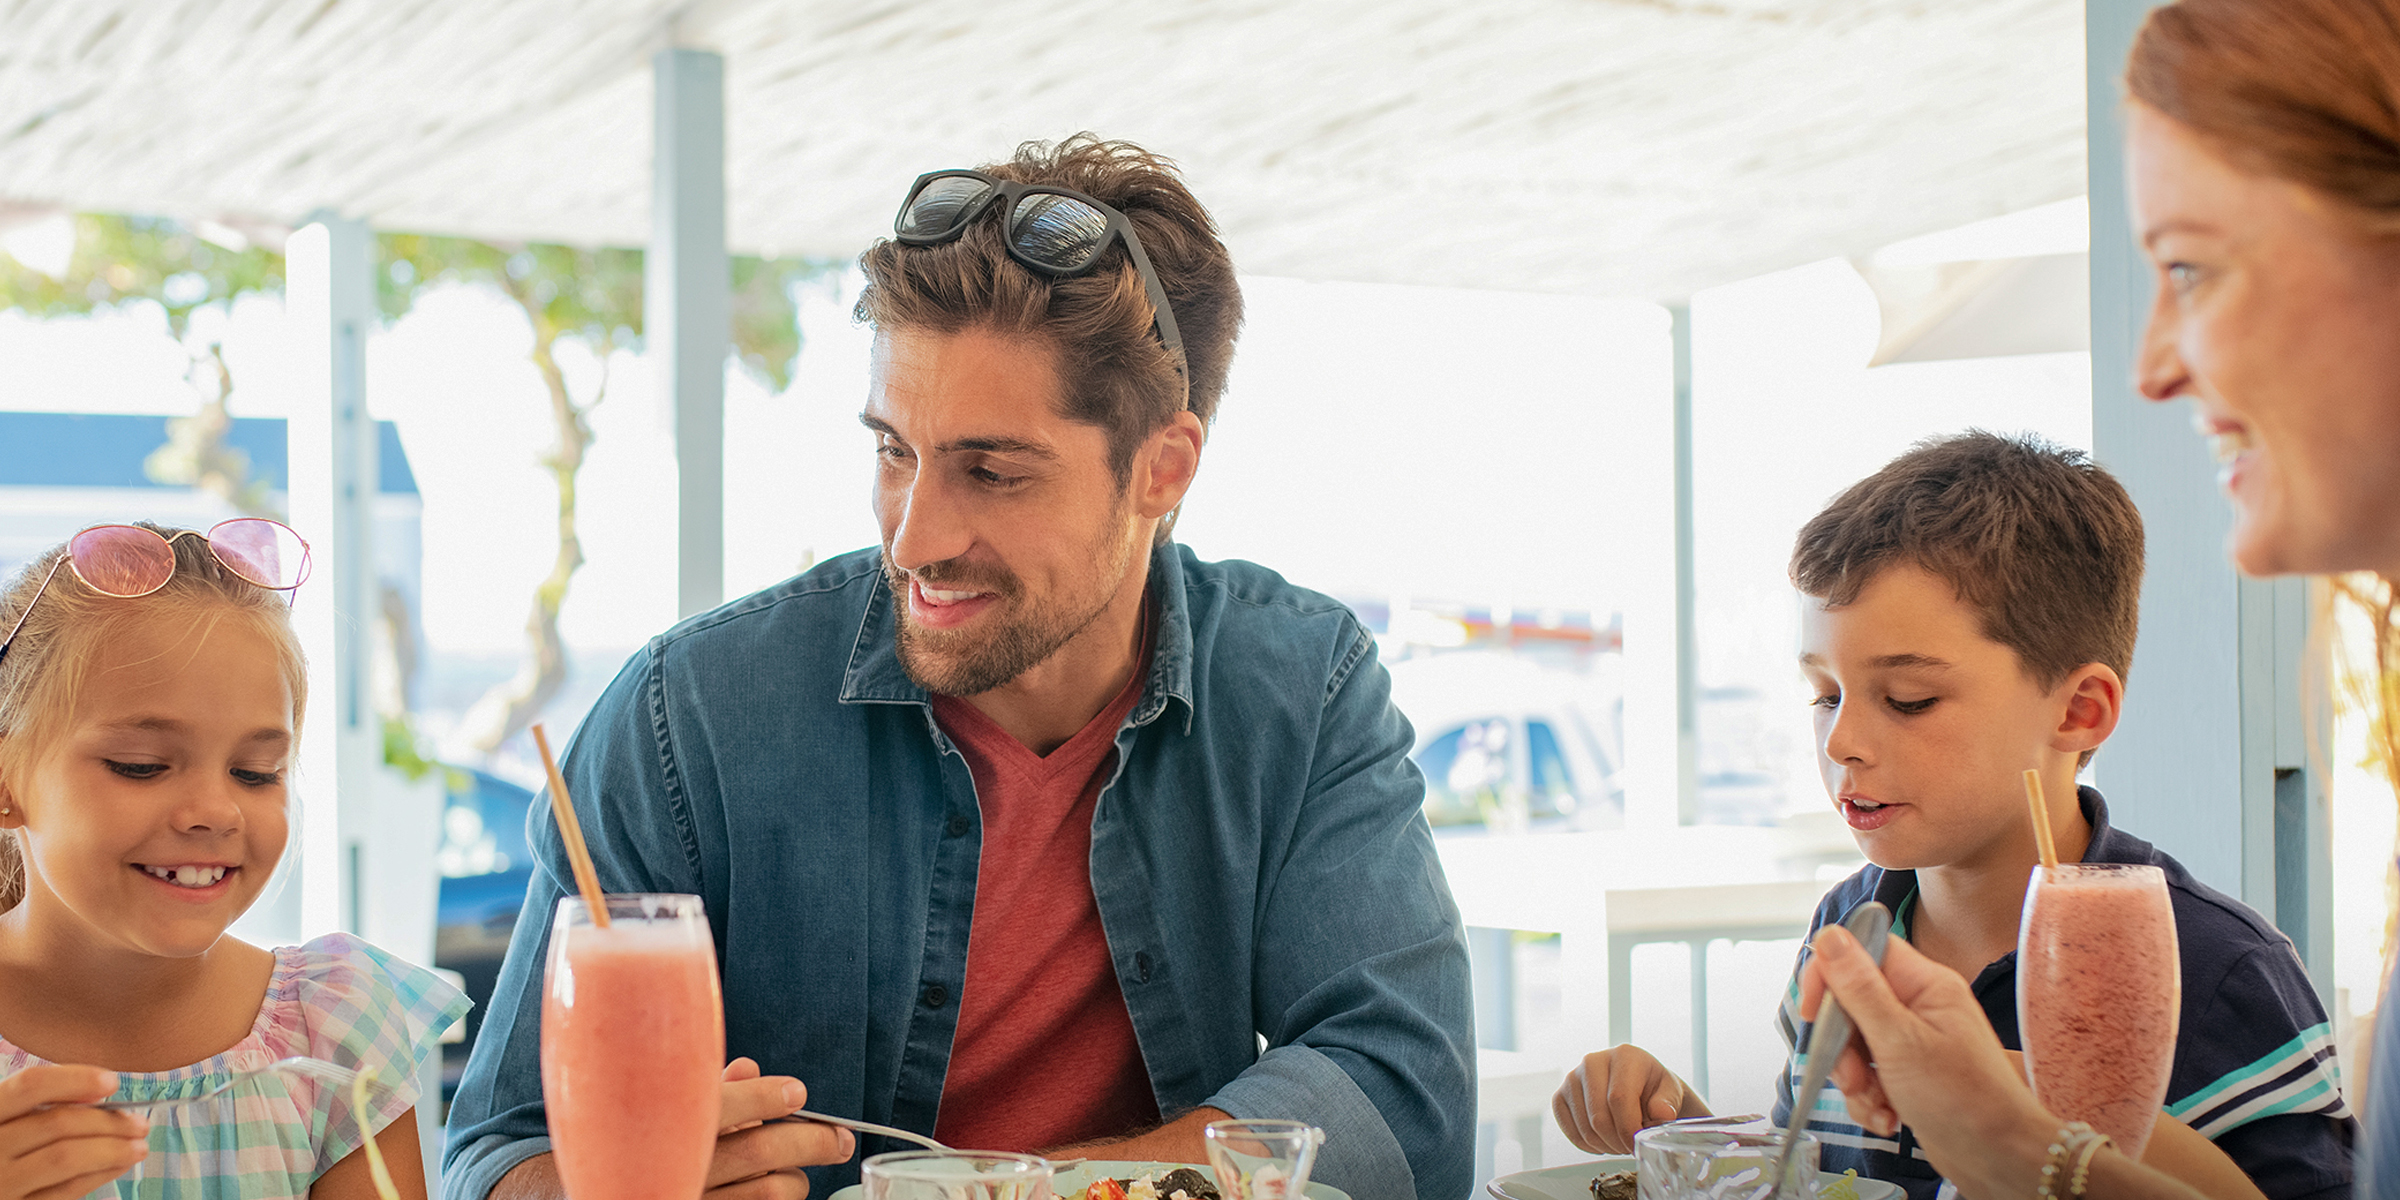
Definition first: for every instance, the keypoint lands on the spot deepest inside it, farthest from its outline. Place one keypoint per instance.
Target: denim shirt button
(959, 825)
(934, 996)
(1141, 967)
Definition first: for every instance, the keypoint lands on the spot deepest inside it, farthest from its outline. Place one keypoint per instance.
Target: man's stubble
(971, 662)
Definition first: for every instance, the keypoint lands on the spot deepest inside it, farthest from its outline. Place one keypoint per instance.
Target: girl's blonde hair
(54, 650)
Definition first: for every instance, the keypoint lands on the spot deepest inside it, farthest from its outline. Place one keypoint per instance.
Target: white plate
(1574, 1182)
(1073, 1178)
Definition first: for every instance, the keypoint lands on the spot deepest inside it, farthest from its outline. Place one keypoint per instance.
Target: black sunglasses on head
(1054, 231)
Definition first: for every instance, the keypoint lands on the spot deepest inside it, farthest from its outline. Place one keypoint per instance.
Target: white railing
(1603, 894)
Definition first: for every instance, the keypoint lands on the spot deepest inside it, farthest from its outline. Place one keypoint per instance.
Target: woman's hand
(53, 1144)
(1926, 1054)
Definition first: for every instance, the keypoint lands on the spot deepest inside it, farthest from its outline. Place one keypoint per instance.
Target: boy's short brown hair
(2038, 538)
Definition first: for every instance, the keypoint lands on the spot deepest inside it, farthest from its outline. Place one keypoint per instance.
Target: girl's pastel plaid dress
(336, 998)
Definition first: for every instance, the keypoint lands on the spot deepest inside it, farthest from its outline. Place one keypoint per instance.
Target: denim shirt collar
(876, 677)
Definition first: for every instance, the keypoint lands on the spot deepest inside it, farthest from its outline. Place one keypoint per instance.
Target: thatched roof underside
(1623, 147)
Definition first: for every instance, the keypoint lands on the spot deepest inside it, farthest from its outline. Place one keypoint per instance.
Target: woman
(2263, 153)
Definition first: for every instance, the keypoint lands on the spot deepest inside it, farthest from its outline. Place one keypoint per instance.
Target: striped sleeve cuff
(2300, 1076)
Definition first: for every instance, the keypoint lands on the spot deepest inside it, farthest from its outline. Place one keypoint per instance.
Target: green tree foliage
(592, 296)
(766, 325)
(121, 261)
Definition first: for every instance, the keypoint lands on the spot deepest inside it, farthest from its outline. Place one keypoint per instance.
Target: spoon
(1871, 924)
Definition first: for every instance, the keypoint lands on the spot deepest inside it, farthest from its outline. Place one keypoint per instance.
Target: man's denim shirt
(1280, 924)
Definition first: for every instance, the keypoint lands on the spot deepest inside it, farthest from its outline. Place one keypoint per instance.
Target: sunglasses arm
(38, 593)
(1158, 299)
(1163, 313)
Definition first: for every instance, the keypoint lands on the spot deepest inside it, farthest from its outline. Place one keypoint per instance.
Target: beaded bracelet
(2071, 1137)
(2083, 1164)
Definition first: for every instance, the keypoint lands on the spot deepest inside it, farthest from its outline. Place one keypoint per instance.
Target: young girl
(150, 701)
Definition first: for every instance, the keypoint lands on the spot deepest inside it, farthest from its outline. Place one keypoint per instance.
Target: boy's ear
(2094, 697)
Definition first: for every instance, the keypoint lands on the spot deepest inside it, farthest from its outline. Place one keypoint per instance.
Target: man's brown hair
(1116, 374)
(2040, 540)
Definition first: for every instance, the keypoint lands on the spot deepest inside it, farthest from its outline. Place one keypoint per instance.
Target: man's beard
(1021, 635)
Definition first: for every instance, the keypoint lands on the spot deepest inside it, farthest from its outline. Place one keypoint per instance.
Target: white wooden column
(1656, 533)
(366, 839)
(1687, 639)
(2213, 761)
(687, 306)
(333, 480)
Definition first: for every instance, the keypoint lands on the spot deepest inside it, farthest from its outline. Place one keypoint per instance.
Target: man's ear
(1165, 466)
(2091, 698)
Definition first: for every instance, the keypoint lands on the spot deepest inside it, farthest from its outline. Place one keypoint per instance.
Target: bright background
(1377, 442)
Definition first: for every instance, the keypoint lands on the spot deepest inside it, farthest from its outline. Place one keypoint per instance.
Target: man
(1032, 831)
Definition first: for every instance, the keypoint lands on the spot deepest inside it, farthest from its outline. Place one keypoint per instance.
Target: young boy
(1971, 613)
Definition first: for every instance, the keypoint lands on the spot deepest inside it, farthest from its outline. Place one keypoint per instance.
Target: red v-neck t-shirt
(1045, 1054)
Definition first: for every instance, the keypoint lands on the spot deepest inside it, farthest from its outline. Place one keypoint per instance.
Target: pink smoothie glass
(633, 1046)
(2099, 988)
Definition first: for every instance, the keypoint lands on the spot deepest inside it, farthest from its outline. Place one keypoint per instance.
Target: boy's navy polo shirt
(2254, 1063)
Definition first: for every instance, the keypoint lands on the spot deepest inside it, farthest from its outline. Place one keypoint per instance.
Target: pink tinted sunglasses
(128, 561)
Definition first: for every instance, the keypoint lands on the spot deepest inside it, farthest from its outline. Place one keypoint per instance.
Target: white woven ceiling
(1627, 147)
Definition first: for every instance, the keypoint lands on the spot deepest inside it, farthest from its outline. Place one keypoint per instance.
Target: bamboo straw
(570, 832)
(2041, 820)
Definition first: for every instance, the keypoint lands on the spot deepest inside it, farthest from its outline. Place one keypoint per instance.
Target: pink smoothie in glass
(2099, 987)
(633, 1042)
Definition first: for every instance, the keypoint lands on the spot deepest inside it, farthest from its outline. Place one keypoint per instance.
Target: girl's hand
(53, 1144)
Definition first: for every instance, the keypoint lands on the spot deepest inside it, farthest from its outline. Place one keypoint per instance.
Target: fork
(315, 1068)
(856, 1126)
(865, 1127)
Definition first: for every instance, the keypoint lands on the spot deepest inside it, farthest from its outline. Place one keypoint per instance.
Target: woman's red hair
(2304, 90)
